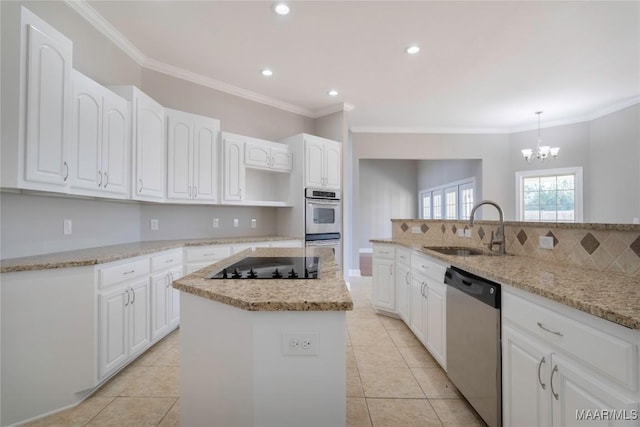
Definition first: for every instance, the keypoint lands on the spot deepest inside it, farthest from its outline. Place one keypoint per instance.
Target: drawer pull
(549, 330)
(555, 395)
(543, 385)
(128, 272)
(168, 261)
(384, 252)
(425, 267)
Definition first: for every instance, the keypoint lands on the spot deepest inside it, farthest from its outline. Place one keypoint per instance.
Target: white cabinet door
(86, 142)
(281, 158)
(314, 163)
(233, 171)
(403, 284)
(48, 106)
(332, 165)
(257, 154)
(174, 299)
(113, 331)
(160, 295)
(436, 321)
(383, 284)
(179, 155)
(205, 160)
(115, 145)
(148, 148)
(526, 369)
(417, 305)
(139, 315)
(574, 390)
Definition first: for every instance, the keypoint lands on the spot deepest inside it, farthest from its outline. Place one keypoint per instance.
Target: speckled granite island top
(611, 296)
(326, 293)
(103, 254)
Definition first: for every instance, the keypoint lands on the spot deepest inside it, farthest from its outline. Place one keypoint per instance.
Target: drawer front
(599, 348)
(403, 255)
(207, 253)
(428, 267)
(166, 260)
(383, 251)
(121, 272)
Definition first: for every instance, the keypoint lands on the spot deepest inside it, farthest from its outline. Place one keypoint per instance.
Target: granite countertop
(326, 293)
(103, 254)
(611, 296)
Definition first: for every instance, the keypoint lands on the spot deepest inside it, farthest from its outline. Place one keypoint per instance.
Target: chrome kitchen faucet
(499, 239)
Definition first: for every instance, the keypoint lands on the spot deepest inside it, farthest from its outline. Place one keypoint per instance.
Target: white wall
(387, 189)
(433, 173)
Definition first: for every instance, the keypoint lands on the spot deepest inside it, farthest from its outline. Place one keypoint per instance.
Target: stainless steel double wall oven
(323, 220)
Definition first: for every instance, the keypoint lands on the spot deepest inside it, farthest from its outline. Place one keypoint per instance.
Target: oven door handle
(335, 202)
(323, 242)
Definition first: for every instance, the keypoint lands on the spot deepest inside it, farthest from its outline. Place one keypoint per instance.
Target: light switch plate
(67, 227)
(235, 222)
(216, 222)
(254, 223)
(153, 224)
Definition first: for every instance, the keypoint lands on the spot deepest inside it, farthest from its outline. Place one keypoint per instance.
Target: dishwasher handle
(477, 287)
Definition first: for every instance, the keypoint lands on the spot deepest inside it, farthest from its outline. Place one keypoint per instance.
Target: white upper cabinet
(322, 163)
(233, 171)
(44, 118)
(147, 132)
(192, 160)
(99, 161)
(267, 155)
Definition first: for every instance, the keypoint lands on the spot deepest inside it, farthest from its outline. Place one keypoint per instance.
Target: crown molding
(419, 129)
(342, 106)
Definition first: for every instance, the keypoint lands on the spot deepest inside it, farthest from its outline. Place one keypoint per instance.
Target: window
(450, 201)
(553, 195)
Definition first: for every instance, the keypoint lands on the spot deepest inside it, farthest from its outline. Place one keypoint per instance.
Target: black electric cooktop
(271, 268)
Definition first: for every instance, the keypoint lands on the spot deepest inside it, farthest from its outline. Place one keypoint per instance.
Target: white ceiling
(484, 66)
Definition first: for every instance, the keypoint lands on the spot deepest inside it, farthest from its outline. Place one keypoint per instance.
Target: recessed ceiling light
(333, 92)
(266, 72)
(281, 8)
(413, 49)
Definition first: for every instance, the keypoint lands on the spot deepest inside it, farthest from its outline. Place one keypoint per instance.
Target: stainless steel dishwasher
(473, 342)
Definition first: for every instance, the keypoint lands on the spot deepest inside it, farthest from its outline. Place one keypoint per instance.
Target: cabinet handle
(406, 277)
(189, 190)
(424, 266)
(240, 193)
(66, 169)
(555, 395)
(543, 360)
(100, 182)
(128, 272)
(128, 297)
(422, 289)
(106, 179)
(133, 291)
(140, 185)
(195, 191)
(168, 261)
(549, 330)
(168, 280)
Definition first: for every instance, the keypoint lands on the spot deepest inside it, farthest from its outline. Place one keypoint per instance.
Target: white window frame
(442, 190)
(578, 196)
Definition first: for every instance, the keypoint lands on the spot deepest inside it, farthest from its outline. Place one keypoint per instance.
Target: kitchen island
(264, 351)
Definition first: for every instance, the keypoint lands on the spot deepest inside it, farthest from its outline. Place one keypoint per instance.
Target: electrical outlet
(416, 230)
(67, 227)
(216, 222)
(545, 242)
(460, 232)
(153, 224)
(303, 344)
(467, 232)
(636, 220)
(254, 223)
(236, 222)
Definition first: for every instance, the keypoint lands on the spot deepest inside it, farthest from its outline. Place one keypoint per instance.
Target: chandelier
(541, 152)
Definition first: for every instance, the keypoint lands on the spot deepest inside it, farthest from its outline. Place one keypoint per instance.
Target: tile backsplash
(603, 247)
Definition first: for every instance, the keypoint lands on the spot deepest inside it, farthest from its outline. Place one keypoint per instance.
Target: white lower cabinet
(383, 278)
(165, 301)
(435, 321)
(548, 380)
(402, 284)
(417, 305)
(197, 257)
(123, 323)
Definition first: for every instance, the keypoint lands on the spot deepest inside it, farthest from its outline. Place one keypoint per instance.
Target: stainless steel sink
(456, 250)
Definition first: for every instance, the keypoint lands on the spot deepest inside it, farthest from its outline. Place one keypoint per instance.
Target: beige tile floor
(391, 381)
